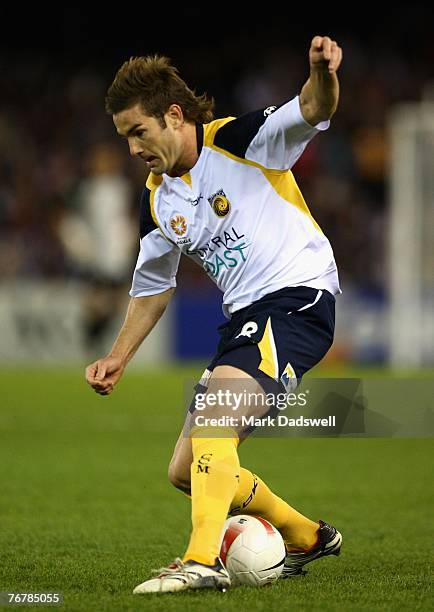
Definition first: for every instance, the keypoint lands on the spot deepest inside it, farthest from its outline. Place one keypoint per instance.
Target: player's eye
(140, 133)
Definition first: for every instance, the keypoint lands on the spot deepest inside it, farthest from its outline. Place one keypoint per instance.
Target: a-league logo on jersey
(219, 203)
(179, 225)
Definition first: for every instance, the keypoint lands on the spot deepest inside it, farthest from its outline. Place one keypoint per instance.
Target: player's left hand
(325, 53)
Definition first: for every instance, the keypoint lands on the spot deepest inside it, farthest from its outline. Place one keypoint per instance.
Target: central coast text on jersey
(222, 252)
(238, 213)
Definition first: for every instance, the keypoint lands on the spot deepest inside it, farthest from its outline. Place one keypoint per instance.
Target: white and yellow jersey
(238, 213)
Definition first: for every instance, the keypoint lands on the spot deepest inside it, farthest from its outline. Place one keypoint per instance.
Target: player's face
(160, 148)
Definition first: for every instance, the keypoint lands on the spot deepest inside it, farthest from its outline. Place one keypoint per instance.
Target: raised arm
(142, 315)
(276, 136)
(319, 95)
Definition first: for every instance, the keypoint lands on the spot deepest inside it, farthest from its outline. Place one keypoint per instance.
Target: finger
(333, 56)
(327, 47)
(317, 42)
(90, 373)
(335, 60)
(109, 381)
(101, 369)
(101, 386)
(106, 391)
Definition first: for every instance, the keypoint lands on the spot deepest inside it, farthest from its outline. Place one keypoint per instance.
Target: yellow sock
(214, 480)
(254, 497)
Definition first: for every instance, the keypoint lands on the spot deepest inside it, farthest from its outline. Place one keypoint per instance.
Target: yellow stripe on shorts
(269, 364)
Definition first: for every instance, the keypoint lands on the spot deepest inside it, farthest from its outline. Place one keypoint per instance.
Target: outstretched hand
(102, 375)
(325, 53)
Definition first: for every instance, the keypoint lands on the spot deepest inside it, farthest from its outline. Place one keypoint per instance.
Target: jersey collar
(199, 138)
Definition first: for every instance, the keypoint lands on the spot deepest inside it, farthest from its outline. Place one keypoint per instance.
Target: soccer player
(222, 192)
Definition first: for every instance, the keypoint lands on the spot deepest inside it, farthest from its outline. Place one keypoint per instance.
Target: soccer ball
(252, 550)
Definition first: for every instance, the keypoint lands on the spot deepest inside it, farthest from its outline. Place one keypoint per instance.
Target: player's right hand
(102, 375)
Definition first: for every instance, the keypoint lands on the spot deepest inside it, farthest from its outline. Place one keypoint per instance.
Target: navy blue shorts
(280, 337)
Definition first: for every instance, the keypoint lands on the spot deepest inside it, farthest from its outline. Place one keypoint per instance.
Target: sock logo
(247, 501)
(202, 464)
(252, 493)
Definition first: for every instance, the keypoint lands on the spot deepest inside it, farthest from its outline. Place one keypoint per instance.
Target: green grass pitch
(86, 508)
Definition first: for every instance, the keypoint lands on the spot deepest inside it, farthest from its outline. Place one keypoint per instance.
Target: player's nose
(135, 148)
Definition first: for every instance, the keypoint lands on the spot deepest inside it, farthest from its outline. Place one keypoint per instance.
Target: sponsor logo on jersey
(269, 110)
(220, 204)
(195, 201)
(182, 241)
(227, 259)
(179, 225)
(226, 240)
(222, 252)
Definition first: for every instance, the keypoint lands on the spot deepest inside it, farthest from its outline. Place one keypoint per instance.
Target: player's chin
(158, 170)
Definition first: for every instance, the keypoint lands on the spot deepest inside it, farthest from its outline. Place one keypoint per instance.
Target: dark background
(57, 64)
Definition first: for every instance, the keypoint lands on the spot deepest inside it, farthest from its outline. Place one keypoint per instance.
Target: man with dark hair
(222, 192)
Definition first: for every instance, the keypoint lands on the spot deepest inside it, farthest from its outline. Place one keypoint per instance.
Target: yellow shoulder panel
(283, 181)
(285, 185)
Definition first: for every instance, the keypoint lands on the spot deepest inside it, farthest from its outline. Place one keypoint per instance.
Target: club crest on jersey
(179, 225)
(220, 204)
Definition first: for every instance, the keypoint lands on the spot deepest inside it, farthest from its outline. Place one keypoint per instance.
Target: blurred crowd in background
(69, 192)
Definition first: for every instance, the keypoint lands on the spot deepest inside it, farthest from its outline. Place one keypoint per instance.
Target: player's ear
(174, 116)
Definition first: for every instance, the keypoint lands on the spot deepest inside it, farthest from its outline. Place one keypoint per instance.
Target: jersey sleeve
(157, 263)
(274, 137)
